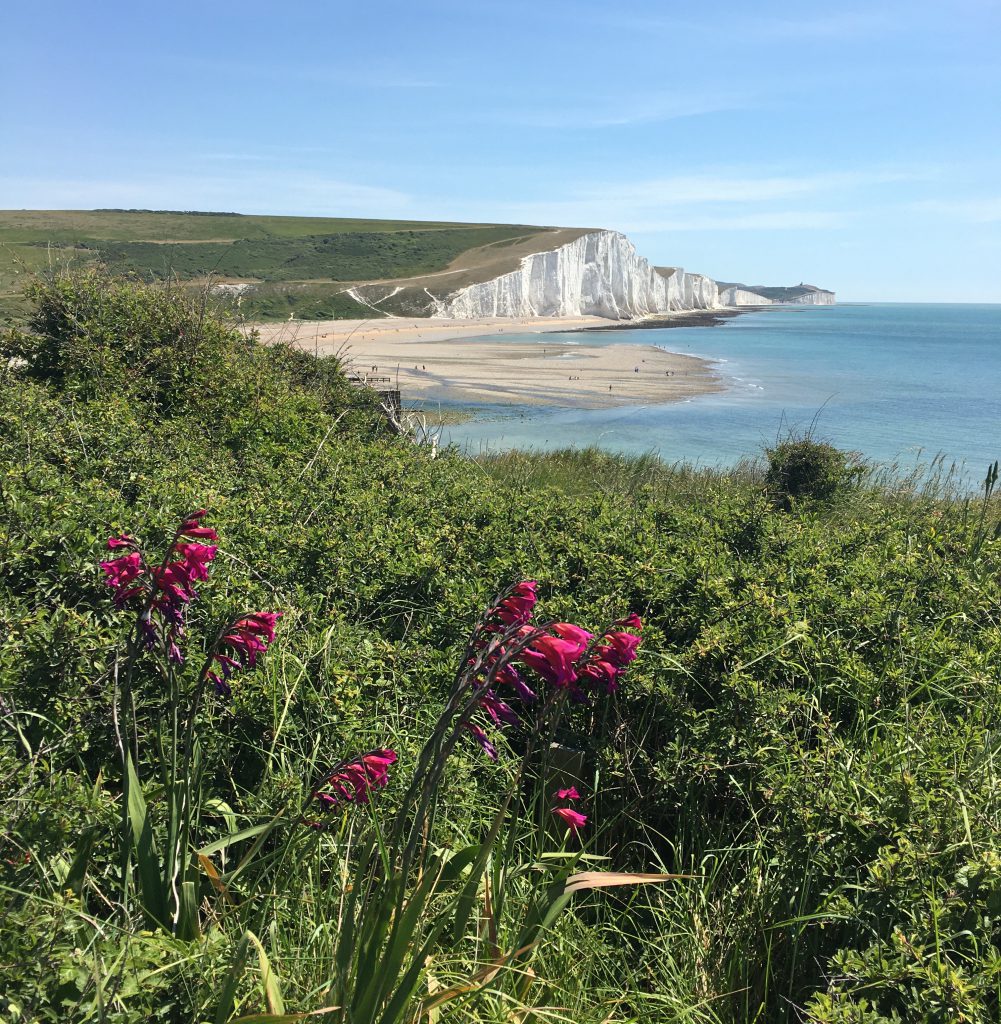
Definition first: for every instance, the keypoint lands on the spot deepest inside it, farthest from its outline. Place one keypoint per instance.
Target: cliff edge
(598, 274)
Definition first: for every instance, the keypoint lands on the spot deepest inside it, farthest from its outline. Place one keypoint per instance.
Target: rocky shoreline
(683, 318)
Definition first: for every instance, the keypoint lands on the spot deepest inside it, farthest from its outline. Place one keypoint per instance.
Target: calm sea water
(899, 383)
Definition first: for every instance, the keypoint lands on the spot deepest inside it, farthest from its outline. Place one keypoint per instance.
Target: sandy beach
(436, 359)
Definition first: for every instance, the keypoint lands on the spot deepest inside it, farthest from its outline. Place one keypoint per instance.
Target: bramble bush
(810, 732)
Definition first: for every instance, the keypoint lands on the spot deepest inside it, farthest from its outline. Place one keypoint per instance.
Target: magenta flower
(573, 634)
(516, 609)
(484, 741)
(196, 557)
(567, 794)
(167, 588)
(240, 647)
(611, 658)
(573, 820)
(191, 527)
(553, 658)
(353, 782)
(563, 655)
(121, 572)
(501, 713)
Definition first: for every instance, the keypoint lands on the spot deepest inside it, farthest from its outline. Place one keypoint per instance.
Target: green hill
(277, 265)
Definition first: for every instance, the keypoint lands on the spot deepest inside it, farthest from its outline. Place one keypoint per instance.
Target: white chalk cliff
(735, 296)
(762, 295)
(598, 274)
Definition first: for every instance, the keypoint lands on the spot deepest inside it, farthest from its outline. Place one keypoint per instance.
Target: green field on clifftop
(299, 265)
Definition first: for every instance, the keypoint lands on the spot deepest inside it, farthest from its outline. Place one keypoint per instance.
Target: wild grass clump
(810, 731)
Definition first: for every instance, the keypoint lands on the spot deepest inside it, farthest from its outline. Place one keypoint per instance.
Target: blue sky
(855, 146)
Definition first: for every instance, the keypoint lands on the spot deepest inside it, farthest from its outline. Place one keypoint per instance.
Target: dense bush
(800, 467)
(810, 731)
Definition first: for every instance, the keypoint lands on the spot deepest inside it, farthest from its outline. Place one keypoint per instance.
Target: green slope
(295, 264)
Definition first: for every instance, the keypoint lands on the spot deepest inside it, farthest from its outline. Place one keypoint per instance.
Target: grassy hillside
(809, 733)
(292, 264)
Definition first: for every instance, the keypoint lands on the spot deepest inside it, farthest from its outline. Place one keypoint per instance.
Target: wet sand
(437, 359)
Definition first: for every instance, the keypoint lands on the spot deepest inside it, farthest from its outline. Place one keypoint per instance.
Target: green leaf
(152, 889)
(81, 860)
(227, 997)
(269, 980)
(235, 837)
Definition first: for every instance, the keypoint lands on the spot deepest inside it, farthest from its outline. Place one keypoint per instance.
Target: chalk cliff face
(817, 297)
(598, 274)
(740, 297)
(764, 295)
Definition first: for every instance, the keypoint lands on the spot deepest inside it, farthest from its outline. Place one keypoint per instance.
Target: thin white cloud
(700, 202)
(778, 220)
(713, 188)
(972, 211)
(629, 110)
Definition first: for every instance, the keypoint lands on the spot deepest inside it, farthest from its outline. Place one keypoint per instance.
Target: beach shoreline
(470, 362)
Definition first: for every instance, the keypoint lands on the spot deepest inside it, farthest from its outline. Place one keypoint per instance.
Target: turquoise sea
(899, 383)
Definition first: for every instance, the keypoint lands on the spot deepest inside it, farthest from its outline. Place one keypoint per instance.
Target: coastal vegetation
(251, 770)
(297, 265)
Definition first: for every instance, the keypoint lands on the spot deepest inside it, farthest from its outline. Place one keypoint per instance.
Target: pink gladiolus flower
(510, 676)
(611, 658)
(261, 623)
(123, 541)
(191, 527)
(240, 648)
(553, 658)
(622, 647)
(196, 558)
(123, 569)
(573, 820)
(631, 621)
(574, 634)
(353, 782)
(202, 532)
(568, 794)
(601, 675)
(121, 572)
(516, 608)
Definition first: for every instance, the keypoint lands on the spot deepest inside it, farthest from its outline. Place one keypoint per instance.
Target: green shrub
(800, 467)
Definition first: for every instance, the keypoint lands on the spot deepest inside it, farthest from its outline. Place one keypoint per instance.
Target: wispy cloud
(630, 110)
(986, 210)
(715, 188)
(704, 202)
